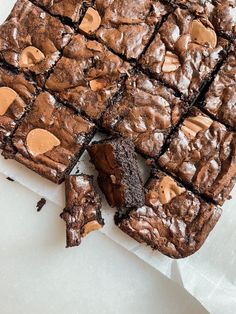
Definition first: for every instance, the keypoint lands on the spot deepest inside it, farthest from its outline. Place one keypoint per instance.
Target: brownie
(16, 95)
(174, 220)
(118, 173)
(220, 100)
(125, 26)
(50, 138)
(146, 114)
(31, 39)
(184, 53)
(200, 7)
(64, 8)
(82, 213)
(87, 76)
(203, 154)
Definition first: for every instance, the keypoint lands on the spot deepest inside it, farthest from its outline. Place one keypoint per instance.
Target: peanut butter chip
(91, 226)
(40, 141)
(193, 125)
(168, 189)
(203, 35)
(97, 85)
(7, 97)
(91, 21)
(30, 56)
(171, 62)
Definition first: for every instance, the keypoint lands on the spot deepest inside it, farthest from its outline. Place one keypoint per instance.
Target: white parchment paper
(209, 275)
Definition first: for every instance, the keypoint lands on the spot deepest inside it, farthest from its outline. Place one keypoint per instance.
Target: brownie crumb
(41, 203)
(10, 179)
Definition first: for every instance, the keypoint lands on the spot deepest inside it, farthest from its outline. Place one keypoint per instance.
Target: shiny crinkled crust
(24, 94)
(87, 76)
(203, 154)
(220, 99)
(128, 25)
(66, 131)
(146, 114)
(64, 8)
(178, 228)
(29, 26)
(184, 53)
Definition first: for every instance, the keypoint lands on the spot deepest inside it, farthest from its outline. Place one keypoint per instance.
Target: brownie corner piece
(174, 220)
(118, 172)
(83, 208)
(50, 138)
(39, 40)
(202, 153)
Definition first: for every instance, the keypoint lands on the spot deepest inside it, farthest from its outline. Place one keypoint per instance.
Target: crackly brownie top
(50, 136)
(119, 176)
(146, 114)
(196, 6)
(65, 8)
(82, 213)
(174, 220)
(16, 93)
(87, 76)
(31, 39)
(203, 153)
(220, 100)
(125, 25)
(184, 52)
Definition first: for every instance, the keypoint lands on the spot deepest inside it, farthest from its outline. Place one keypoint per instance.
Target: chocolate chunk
(202, 153)
(82, 213)
(174, 220)
(119, 176)
(41, 203)
(50, 138)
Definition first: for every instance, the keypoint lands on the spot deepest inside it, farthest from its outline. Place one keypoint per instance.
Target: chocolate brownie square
(50, 139)
(16, 95)
(220, 100)
(174, 220)
(31, 39)
(203, 154)
(125, 26)
(87, 76)
(64, 8)
(118, 172)
(184, 53)
(146, 114)
(83, 208)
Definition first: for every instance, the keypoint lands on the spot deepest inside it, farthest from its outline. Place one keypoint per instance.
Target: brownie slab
(220, 100)
(118, 173)
(83, 208)
(65, 8)
(31, 39)
(174, 220)
(146, 114)
(125, 26)
(87, 76)
(203, 154)
(16, 95)
(50, 138)
(184, 53)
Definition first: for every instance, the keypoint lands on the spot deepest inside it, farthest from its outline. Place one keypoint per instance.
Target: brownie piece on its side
(125, 26)
(203, 154)
(220, 100)
(174, 220)
(146, 114)
(50, 138)
(87, 76)
(184, 53)
(65, 8)
(118, 173)
(16, 95)
(83, 208)
(31, 39)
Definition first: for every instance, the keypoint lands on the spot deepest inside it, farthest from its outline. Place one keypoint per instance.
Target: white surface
(38, 275)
